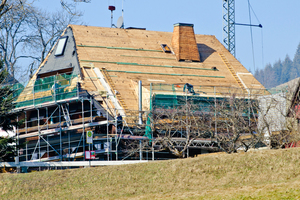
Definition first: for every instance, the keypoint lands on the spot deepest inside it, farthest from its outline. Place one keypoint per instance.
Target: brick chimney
(184, 43)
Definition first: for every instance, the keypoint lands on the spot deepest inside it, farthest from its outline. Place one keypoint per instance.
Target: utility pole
(229, 25)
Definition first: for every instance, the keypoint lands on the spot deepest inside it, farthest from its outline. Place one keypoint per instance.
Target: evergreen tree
(269, 76)
(293, 73)
(280, 72)
(287, 67)
(277, 69)
(7, 118)
(7, 149)
(296, 62)
(259, 75)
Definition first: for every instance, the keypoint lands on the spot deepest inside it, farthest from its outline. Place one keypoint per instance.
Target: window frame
(58, 46)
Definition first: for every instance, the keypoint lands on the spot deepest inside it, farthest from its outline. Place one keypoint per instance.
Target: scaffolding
(58, 113)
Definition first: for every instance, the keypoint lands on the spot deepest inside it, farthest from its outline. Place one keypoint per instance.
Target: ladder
(97, 84)
(233, 73)
(66, 115)
(113, 87)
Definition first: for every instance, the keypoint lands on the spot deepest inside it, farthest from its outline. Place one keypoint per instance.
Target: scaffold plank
(70, 164)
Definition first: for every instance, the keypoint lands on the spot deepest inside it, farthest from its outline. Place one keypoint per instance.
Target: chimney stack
(184, 43)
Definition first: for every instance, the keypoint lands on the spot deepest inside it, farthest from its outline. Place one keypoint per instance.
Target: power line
(253, 56)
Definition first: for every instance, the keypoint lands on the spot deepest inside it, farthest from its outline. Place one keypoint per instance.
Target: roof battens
(167, 66)
(147, 57)
(184, 42)
(120, 48)
(136, 72)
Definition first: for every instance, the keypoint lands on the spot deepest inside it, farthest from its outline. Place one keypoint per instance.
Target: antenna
(122, 13)
(111, 8)
(120, 22)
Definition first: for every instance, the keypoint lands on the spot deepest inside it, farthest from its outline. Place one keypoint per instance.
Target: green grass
(269, 174)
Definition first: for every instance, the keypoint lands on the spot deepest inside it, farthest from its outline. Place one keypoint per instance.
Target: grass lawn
(268, 174)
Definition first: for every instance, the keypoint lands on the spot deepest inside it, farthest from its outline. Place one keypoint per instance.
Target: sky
(278, 37)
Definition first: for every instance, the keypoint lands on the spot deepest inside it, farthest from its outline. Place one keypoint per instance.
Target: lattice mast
(229, 25)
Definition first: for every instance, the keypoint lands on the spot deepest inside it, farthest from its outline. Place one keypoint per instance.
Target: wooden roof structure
(126, 56)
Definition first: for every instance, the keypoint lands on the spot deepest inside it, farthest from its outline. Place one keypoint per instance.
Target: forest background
(280, 72)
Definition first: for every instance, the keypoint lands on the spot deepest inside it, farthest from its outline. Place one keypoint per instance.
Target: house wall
(272, 113)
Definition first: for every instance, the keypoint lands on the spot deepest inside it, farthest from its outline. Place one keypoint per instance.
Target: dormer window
(60, 49)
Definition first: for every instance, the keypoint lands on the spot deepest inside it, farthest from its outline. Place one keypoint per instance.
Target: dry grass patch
(271, 174)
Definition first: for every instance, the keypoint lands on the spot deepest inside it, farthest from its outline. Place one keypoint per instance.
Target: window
(166, 48)
(61, 46)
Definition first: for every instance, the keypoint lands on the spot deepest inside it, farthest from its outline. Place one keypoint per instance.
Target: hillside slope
(269, 174)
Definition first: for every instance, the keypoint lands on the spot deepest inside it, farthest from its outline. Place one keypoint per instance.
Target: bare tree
(236, 123)
(175, 129)
(272, 120)
(4, 7)
(279, 117)
(46, 29)
(230, 121)
(28, 33)
(7, 5)
(234, 120)
(13, 34)
(71, 6)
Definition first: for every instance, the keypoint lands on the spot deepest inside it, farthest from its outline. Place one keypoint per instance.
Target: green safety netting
(43, 84)
(175, 101)
(53, 88)
(164, 96)
(163, 87)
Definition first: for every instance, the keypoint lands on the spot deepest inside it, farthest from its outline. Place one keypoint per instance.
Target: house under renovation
(95, 81)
